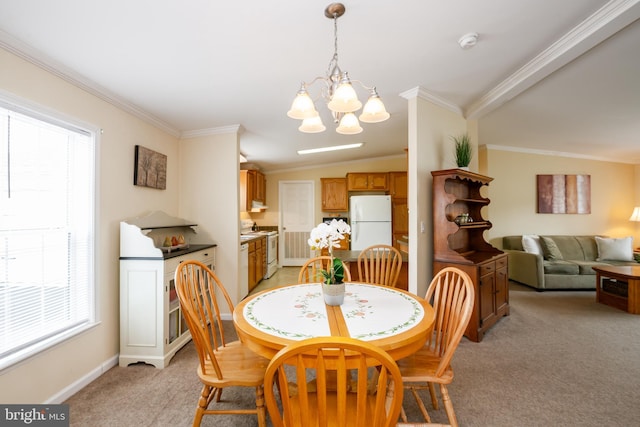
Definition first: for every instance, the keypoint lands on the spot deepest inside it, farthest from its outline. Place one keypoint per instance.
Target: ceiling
(545, 75)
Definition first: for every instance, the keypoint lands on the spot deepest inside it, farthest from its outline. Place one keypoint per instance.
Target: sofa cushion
(550, 249)
(512, 243)
(531, 244)
(561, 267)
(586, 267)
(615, 249)
(589, 247)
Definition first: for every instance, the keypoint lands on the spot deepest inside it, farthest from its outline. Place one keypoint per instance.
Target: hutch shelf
(462, 245)
(152, 328)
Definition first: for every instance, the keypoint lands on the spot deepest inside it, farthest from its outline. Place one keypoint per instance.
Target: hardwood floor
(284, 276)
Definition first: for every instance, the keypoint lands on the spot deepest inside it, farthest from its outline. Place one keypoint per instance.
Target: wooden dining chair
(380, 265)
(310, 271)
(452, 295)
(222, 363)
(325, 402)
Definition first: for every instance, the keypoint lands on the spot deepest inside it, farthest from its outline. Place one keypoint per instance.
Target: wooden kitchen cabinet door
(334, 194)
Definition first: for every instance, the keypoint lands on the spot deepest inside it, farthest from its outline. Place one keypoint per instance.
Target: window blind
(47, 199)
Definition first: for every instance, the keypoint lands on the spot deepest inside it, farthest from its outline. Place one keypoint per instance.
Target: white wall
(513, 195)
(430, 148)
(49, 375)
(209, 183)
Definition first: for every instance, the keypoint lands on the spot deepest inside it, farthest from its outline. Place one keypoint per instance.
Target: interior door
(296, 221)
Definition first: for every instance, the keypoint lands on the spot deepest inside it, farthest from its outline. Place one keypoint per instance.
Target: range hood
(257, 206)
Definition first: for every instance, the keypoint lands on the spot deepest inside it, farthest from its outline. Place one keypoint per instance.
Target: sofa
(563, 262)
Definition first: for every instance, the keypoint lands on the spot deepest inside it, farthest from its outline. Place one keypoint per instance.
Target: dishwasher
(243, 279)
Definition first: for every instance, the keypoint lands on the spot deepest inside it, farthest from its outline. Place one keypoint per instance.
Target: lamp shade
(312, 125)
(349, 125)
(302, 106)
(344, 99)
(374, 111)
(635, 216)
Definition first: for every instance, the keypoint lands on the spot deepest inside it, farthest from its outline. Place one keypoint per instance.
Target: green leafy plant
(463, 150)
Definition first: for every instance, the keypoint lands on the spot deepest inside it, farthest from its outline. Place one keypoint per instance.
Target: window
(47, 199)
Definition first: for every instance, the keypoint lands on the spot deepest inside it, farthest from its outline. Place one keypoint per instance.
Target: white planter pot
(333, 294)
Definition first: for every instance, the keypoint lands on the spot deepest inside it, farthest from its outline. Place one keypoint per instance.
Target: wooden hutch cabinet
(335, 197)
(462, 245)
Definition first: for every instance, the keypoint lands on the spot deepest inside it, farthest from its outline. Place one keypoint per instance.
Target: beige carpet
(560, 359)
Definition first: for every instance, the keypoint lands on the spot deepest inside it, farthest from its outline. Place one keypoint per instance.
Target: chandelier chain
(334, 60)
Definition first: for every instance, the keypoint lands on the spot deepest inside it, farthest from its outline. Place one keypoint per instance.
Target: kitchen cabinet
(462, 245)
(257, 261)
(399, 206)
(367, 181)
(398, 184)
(152, 327)
(260, 187)
(252, 188)
(335, 197)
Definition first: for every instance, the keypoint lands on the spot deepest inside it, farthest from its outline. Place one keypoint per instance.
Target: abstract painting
(150, 168)
(564, 194)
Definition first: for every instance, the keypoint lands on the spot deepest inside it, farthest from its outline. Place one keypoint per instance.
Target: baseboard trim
(81, 383)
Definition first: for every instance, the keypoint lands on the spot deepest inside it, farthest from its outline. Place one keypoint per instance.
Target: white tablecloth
(298, 312)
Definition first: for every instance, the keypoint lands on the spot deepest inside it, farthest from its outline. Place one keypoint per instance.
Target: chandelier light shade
(374, 111)
(302, 106)
(339, 93)
(349, 125)
(312, 125)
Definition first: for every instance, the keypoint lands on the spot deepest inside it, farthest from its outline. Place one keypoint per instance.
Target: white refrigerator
(370, 221)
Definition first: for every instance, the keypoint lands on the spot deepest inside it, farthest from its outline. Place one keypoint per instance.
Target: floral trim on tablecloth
(302, 304)
(309, 312)
(415, 316)
(250, 316)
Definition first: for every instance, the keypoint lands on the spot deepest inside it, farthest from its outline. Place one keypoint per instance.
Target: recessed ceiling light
(332, 148)
(468, 40)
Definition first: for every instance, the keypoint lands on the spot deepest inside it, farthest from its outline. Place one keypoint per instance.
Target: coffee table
(619, 277)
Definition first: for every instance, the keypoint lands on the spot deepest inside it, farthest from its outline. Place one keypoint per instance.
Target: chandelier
(339, 94)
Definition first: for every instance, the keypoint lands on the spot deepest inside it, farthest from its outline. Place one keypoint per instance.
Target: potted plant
(329, 236)
(463, 150)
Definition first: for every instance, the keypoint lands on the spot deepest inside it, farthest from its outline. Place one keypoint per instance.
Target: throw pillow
(612, 249)
(531, 244)
(550, 250)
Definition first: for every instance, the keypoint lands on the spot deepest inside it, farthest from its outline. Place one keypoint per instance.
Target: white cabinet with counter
(152, 328)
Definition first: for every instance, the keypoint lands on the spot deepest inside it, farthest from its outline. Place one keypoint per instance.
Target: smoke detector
(468, 40)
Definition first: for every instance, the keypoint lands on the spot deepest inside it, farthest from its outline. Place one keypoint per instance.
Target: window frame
(42, 113)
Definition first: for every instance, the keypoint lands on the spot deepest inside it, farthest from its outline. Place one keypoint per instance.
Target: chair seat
(421, 367)
(240, 367)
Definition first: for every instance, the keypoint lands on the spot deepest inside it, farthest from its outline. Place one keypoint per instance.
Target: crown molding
(553, 153)
(238, 129)
(605, 22)
(422, 93)
(37, 58)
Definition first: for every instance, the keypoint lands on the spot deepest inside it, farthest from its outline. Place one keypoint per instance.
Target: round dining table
(395, 320)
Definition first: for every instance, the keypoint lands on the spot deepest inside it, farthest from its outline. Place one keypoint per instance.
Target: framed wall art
(150, 168)
(564, 194)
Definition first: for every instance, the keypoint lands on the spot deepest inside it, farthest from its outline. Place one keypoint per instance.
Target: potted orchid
(329, 236)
